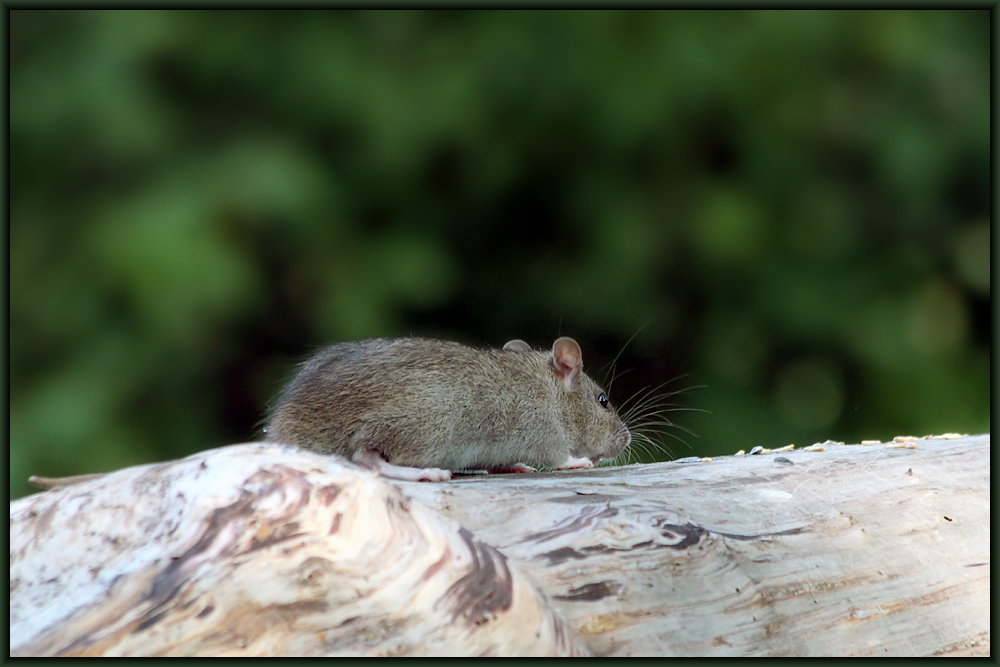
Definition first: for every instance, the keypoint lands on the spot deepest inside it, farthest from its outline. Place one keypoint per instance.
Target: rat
(418, 408)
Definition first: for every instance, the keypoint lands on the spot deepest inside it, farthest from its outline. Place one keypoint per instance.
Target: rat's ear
(517, 345)
(567, 360)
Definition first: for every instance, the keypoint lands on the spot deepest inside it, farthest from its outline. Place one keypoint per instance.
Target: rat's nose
(624, 438)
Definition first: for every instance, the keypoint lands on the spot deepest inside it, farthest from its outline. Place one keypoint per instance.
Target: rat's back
(389, 390)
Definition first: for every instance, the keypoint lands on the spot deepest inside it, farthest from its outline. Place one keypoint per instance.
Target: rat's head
(586, 414)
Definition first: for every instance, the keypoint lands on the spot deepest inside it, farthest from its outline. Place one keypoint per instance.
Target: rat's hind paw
(375, 461)
(430, 474)
(414, 474)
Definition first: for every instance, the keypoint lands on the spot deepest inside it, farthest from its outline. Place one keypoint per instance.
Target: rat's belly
(478, 455)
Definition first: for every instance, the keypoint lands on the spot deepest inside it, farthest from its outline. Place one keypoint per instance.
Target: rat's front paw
(571, 463)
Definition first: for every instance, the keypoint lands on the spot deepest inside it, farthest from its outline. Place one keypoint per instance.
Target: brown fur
(423, 402)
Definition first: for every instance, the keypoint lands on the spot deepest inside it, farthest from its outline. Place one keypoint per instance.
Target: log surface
(261, 550)
(270, 550)
(854, 550)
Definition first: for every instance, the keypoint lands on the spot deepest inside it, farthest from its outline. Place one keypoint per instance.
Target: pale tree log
(270, 550)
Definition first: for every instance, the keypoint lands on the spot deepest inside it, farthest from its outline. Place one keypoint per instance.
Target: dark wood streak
(561, 555)
(780, 533)
(681, 537)
(593, 592)
(328, 494)
(280, 533)
(487, 588)
(566, 553)
(692, 535)
(694, 532)
(169, 581)
(441, 562)
(586, 518)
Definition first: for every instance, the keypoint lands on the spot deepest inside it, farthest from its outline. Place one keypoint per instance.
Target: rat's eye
(603, 400)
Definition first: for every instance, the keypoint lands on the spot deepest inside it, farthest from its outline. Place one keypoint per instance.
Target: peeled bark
(270, 550)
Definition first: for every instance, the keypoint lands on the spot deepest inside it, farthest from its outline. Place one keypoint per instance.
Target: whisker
(645, 413)
(617, 356)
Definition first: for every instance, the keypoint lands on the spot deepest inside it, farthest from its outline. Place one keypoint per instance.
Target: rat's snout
(620, 439)
(624, 438)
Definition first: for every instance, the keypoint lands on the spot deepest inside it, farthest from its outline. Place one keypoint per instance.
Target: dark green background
(790, 207)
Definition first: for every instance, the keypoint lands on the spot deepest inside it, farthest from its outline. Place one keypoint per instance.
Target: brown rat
(416, 408)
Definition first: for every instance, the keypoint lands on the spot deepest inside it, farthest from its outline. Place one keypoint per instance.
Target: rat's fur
(423, 402)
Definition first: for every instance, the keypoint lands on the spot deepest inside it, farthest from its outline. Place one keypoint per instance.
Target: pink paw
(405, 473)
(433, 475)
(572, 463)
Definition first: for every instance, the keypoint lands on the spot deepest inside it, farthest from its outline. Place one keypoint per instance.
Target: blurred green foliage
(789, 207)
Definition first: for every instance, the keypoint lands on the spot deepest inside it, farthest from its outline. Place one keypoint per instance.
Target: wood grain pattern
(849, 551)
(261, 550)
(270, 550)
